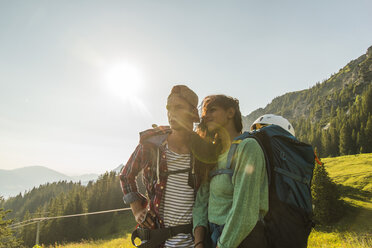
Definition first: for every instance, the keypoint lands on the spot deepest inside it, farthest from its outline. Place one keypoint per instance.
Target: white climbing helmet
(269, 119)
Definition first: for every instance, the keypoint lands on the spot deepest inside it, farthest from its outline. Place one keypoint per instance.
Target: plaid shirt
(144, 158)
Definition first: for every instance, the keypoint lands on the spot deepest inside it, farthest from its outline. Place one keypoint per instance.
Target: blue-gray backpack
(290, 165)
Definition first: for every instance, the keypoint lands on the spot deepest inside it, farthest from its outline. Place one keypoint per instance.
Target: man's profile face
(180, 114)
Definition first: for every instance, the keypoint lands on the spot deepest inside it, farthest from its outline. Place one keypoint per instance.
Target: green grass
(352, 170)
(334, 239)
(352, 173)
(117, 243)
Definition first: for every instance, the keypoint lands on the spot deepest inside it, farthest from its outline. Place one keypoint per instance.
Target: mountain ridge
(19, 180)
(334, 116)
(356, 72)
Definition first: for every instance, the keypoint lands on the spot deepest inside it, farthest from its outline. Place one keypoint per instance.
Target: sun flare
(124, 80)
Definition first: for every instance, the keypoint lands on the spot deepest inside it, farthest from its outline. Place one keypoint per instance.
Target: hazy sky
(80, 79)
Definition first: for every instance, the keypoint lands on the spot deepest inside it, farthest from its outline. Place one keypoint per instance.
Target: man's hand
(142, 216)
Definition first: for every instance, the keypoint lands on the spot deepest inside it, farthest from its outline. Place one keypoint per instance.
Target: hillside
(353, 174)
(13, 182)
(335, 116)
(65, 198)
(317, 101)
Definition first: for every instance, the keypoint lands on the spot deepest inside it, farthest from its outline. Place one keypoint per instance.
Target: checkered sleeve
(128, 176)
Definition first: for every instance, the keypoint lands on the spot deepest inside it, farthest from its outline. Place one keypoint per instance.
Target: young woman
(230, 208)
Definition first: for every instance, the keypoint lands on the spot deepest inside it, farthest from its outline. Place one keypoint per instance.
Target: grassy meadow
(352, 173)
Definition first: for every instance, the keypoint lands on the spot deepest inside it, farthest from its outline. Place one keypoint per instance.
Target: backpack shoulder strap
(262, 140)
(230, 158)
(230, 155)
(261, 136)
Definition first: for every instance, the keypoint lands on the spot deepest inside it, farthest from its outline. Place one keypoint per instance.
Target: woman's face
(215, 118)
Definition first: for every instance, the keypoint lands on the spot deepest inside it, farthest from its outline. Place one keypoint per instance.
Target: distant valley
(13, 182)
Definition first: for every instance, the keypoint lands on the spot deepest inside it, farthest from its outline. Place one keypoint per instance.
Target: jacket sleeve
(200, 210)
(129, 174)
(203, 150)
(250, 197)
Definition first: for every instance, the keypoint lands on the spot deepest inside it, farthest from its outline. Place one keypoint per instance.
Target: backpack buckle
(283, 156)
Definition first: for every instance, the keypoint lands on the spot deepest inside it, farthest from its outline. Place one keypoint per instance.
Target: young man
(164, 156)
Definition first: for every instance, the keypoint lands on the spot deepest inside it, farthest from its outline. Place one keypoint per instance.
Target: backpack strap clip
(155, 237)
(220, 172)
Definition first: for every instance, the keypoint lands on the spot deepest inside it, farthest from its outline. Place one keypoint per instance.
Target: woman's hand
(199, 244)
(199, 233)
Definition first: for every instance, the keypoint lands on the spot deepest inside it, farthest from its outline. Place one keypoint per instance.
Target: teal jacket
(237, 202)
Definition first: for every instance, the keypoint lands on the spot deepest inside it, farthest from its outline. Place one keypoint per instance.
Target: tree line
(345, 129)
(66, 198)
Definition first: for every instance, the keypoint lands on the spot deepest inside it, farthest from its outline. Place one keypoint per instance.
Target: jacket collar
(155, 136)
